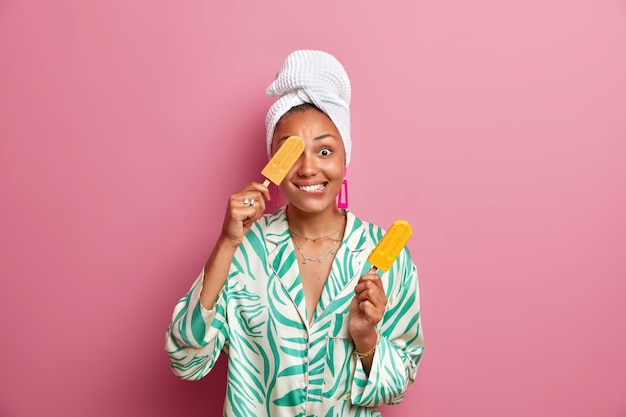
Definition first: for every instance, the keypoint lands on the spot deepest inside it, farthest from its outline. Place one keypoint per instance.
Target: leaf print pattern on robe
(278, 363)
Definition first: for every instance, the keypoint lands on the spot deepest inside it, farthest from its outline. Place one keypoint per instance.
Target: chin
(311, 207)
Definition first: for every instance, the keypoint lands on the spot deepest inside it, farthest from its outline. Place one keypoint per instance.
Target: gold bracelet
(369, 352)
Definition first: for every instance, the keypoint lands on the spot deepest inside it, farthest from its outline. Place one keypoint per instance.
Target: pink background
(498, 129)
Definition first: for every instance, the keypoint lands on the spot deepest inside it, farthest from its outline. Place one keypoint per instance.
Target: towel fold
(316, 77)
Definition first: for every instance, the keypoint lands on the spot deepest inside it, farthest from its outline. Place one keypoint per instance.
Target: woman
(308, 328)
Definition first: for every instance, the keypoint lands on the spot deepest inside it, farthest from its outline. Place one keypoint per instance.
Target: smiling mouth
(312, 188)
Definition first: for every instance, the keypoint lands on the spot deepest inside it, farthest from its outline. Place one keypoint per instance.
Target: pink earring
(342, 197)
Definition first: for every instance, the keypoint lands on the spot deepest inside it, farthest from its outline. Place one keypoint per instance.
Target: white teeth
(311, 188)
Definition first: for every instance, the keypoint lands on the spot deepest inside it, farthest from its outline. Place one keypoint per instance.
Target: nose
(308, 165)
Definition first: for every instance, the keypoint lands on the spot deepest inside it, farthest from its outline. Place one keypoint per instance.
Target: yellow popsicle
(390, 246)
(282, 161)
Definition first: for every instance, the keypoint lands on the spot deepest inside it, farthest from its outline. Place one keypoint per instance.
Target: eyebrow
(324, 136)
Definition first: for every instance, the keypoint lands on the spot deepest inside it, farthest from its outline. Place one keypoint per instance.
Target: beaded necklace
(331, 251)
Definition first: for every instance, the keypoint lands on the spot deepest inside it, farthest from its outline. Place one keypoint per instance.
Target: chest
(314, 269)
(314, 276)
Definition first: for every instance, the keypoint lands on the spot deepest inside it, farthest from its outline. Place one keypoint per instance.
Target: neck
(315, 224)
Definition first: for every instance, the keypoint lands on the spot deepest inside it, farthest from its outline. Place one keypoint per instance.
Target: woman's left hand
(367, 307)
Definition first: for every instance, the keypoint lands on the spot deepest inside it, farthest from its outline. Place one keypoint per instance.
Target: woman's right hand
(237, 222)
(241, 214)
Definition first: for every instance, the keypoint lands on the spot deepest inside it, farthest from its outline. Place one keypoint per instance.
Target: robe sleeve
(401, 344)
(196, 336)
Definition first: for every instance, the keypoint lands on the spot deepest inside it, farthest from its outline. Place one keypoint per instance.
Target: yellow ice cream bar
(282, 161)
(390, 245)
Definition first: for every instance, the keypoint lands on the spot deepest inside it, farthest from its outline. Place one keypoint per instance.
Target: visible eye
(325, 152)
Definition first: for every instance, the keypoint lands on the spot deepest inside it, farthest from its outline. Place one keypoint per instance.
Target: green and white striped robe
(279, 364)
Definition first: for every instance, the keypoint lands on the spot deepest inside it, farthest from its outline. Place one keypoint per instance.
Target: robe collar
(348, 263)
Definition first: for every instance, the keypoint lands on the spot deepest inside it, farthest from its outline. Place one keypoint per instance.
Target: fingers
(370, 295)
(247, 207)
(256, 187)
(244, 208)
(249, 203)
(373, 277)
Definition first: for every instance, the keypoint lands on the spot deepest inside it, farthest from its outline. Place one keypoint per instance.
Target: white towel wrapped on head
(315, 77)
